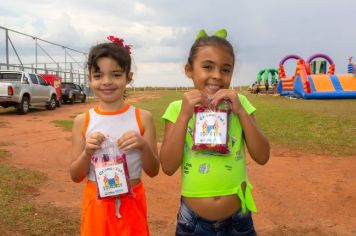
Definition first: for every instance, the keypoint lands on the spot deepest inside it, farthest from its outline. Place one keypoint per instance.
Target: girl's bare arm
(82, 150)
(171, 154)
(150, 163)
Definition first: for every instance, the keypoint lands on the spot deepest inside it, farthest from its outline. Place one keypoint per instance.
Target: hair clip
(222, 33)
(120, 42)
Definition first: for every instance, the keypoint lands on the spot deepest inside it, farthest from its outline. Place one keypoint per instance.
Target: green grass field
(317, 126)
(65, 124)
(18, 215)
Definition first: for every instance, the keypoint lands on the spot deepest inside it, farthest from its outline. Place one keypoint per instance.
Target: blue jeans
(190, 223)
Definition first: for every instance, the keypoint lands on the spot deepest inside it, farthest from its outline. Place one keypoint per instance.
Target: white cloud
(160, 75)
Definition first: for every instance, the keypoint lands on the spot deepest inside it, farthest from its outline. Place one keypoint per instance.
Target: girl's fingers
(94, 141)
(223, 94)
(93, 146)
(127, 135)
(131, 146)
(125, 142)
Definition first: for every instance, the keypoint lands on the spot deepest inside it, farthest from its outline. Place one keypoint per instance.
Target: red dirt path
(296, 193)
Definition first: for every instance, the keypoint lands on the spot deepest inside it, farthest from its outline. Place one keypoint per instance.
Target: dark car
(72, 92)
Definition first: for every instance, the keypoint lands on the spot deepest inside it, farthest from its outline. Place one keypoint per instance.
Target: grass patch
(4, 153)
(158, 106)
(18, 215)
(92, 99)
(4, 143)
(6, 110)
(4, 124)
(318, 126)
(65, 124)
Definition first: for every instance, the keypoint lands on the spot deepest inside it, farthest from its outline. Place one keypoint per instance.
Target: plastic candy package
(211, 128)
(111, 171)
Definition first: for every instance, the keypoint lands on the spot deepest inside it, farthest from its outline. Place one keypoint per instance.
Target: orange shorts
(99, 216)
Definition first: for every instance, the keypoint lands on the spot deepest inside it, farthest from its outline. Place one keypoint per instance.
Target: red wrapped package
(111, 171)
(211, 128)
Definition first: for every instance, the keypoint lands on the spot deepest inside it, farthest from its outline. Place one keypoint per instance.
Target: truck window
(65, 85)
(41, 80)
(33, 79)
(10, 77)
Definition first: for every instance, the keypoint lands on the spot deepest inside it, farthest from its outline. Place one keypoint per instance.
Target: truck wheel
(84, 99)
(23, 106)
(72, 100)
(59, 102)
(52, 103)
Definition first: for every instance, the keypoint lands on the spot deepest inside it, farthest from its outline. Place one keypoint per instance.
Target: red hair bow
(120, 42)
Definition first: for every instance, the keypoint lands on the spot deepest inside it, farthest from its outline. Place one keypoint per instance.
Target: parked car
(22, 90)
(56, 82)
(72, 92)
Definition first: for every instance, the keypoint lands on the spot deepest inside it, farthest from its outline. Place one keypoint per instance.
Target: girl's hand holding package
(230, 94)
(93, 143)
(190, 99)
(131, 140)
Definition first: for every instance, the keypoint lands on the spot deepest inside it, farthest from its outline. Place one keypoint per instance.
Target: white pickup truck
(22, 90)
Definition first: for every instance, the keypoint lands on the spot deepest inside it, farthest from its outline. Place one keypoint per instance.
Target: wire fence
(43, 57)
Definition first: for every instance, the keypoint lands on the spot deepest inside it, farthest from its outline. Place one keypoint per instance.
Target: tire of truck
(71, 101)
(84, 99)
(52, 104)
(59, 102)
(24, 106)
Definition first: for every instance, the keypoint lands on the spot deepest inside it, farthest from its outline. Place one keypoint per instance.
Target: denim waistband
(216, 225)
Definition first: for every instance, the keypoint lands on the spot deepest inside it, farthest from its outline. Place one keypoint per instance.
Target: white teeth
(212, 86)
(107, 91)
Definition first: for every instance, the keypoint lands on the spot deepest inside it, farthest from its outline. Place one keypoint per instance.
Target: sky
(162, 32)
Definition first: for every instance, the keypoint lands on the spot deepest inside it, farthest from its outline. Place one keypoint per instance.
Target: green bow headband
(222, 33)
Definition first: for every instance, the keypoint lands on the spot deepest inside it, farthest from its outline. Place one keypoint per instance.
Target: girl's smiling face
(211, 69)
(109, 82)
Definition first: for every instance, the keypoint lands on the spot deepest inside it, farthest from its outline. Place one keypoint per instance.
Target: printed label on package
(210, 128)
(111, 180)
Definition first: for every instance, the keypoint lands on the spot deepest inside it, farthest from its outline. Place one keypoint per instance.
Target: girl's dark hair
(112, 50)
(209, 41)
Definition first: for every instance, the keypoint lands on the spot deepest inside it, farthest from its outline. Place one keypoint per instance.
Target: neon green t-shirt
(207, 175)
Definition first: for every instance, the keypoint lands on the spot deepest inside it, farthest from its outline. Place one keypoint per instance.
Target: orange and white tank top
(115, 124)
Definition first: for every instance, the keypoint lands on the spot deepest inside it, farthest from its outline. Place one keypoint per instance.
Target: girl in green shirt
(216, 194)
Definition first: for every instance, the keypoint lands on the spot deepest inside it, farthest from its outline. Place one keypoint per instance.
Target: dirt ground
(296, 193)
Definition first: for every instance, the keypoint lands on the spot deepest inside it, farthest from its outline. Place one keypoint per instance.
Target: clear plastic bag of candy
(212, 127)
(111, 171)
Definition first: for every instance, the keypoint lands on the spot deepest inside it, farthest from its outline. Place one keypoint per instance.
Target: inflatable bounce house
(311, 80)
(266, 82)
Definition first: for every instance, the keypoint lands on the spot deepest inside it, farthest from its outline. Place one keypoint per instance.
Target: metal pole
(36, 55)
(71, 72)
(65, 64)
(85, 69)
(7, 48)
